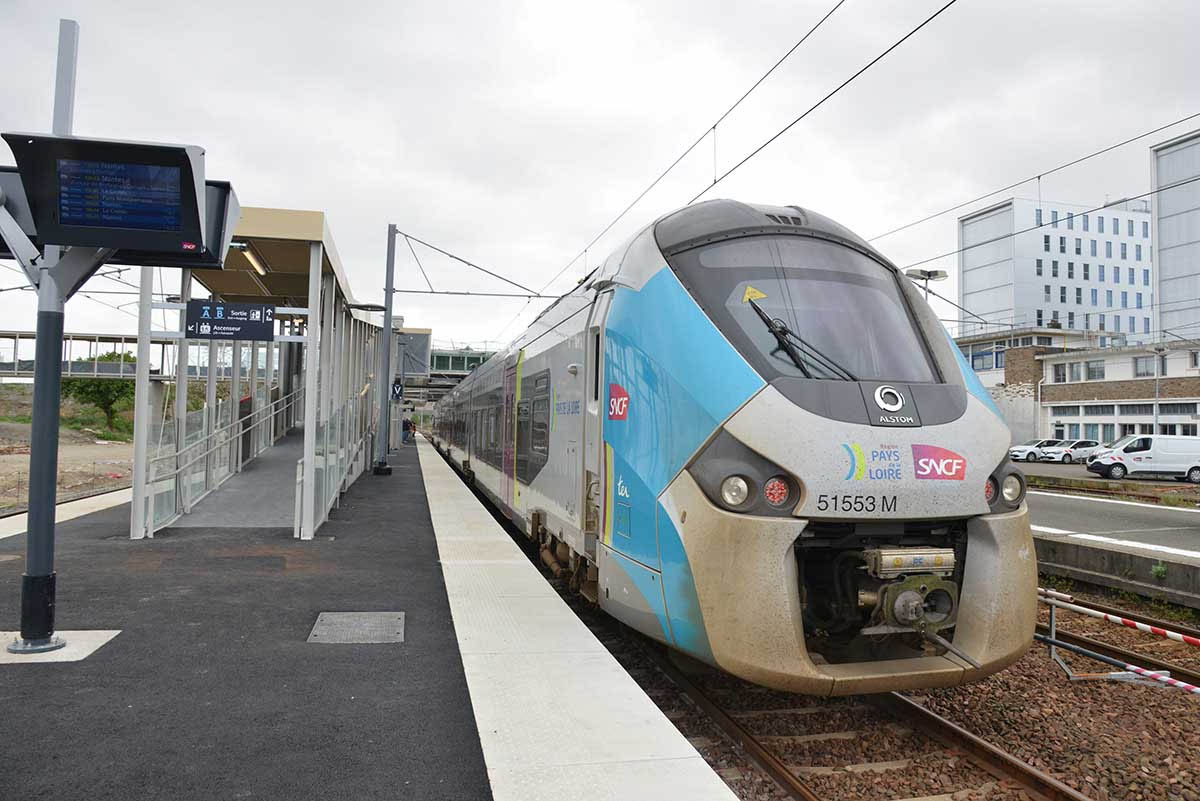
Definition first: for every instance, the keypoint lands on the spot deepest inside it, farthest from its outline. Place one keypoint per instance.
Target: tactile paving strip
(358, 627)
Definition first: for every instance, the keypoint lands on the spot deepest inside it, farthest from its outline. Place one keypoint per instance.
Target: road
(1164, 530)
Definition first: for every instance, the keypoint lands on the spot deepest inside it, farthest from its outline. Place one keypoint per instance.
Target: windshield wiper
(780, 331)
(788, 339)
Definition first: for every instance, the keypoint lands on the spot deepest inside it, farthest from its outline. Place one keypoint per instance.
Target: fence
(75, 481)
(215, 447)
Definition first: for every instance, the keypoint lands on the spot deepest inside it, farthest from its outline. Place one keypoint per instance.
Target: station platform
(1149, 549)
(213, 683)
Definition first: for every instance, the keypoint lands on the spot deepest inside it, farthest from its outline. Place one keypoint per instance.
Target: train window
(845, 310)
(542, 383)
(541, 425)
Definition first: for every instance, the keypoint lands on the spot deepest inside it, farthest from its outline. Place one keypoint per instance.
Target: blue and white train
(749, 437)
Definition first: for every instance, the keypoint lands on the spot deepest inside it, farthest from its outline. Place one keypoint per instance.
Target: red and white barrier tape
(1183, 685)
(1126, 622)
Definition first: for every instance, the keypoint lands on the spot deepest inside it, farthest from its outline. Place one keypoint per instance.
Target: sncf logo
(930, 461)
(618, 402)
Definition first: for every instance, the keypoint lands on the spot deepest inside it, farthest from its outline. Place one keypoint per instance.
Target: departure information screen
(105, 194)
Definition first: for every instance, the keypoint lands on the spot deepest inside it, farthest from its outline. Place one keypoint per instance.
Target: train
(747, 435)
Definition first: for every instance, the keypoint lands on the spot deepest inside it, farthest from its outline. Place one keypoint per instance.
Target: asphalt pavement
(1107, 521)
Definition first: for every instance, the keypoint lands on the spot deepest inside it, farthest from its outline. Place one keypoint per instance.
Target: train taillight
(777, 492)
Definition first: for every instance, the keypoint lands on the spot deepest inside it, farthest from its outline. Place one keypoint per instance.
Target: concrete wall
(1017, 406)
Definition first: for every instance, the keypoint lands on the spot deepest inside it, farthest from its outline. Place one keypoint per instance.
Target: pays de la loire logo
(618, 402)
(932, 462)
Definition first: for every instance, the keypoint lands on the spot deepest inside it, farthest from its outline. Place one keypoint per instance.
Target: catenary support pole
(385, 374)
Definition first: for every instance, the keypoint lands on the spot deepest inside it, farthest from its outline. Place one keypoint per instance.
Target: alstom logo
(930, 461)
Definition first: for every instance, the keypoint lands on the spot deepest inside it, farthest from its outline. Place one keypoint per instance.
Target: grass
(85, 418)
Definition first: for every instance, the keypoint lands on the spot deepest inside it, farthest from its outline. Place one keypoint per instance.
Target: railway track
(1115, 651)
(937, 747)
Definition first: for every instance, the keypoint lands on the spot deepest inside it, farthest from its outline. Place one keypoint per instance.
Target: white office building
(1176, 227)
(1028, 264)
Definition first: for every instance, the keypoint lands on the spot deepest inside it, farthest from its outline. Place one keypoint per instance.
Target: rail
(1126, 656)
(985, 755)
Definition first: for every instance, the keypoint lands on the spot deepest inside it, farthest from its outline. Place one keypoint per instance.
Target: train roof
(717, 220)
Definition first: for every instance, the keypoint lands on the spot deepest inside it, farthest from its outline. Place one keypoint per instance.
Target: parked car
(1151, 456)
(1030, 451)
(1070, 450)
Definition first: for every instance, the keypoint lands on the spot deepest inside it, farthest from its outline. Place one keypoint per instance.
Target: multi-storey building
(1175, 165)
(1025, 263)
(1102, 393)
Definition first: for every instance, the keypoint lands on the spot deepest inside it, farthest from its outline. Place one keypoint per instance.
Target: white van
(1151, 456)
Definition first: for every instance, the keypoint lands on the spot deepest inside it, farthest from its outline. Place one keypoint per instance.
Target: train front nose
(889, 575)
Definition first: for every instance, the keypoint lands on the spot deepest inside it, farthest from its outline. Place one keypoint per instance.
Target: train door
(592, 488)
(510, 433)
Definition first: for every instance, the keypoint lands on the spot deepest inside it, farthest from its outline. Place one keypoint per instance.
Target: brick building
(1102, 393)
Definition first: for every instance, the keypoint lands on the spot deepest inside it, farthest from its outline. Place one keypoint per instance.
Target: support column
(308, 525)
(38, 581)
(182, 503)
(235, 414)
(255, 411)
(210, 415)
(141, 523)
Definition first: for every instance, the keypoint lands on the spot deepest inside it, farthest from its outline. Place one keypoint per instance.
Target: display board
(113, 194)
(211, 319)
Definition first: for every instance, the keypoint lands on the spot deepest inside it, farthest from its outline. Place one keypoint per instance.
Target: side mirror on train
(573, 369)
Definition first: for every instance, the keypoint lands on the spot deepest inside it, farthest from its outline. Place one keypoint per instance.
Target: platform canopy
(273, 266)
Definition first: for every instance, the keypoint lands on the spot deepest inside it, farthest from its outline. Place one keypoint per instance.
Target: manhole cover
(358, 627)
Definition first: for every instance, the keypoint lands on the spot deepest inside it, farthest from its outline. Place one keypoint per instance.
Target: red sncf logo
(618, 402)
(930, 461)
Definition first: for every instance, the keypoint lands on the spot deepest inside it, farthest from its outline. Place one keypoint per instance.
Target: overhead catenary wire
(1036, 177)
(822, 101)
(710, 130)
(471, 294)
(467, 262)
(420, 267)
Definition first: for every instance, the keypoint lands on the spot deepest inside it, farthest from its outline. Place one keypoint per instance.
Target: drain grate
(358, 627)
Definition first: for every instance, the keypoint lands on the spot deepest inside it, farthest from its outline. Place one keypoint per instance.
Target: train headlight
(738, 479)
(1013, 488)
(1005, 488)
(735, 490)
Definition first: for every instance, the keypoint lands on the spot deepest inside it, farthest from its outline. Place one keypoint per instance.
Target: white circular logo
(888, 398)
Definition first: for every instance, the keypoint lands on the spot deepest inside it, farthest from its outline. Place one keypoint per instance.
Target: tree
(103, 393)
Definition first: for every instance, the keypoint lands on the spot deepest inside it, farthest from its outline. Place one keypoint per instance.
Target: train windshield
(807, 308)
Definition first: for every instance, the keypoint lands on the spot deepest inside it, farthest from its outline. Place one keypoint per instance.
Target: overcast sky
(512, 133)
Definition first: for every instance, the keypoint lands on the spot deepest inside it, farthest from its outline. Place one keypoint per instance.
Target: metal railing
(202, 458)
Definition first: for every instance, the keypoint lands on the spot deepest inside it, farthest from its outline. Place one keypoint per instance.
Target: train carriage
(747, 435)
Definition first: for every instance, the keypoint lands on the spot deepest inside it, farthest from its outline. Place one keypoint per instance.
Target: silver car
(1070, 450)
(1030, 451)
